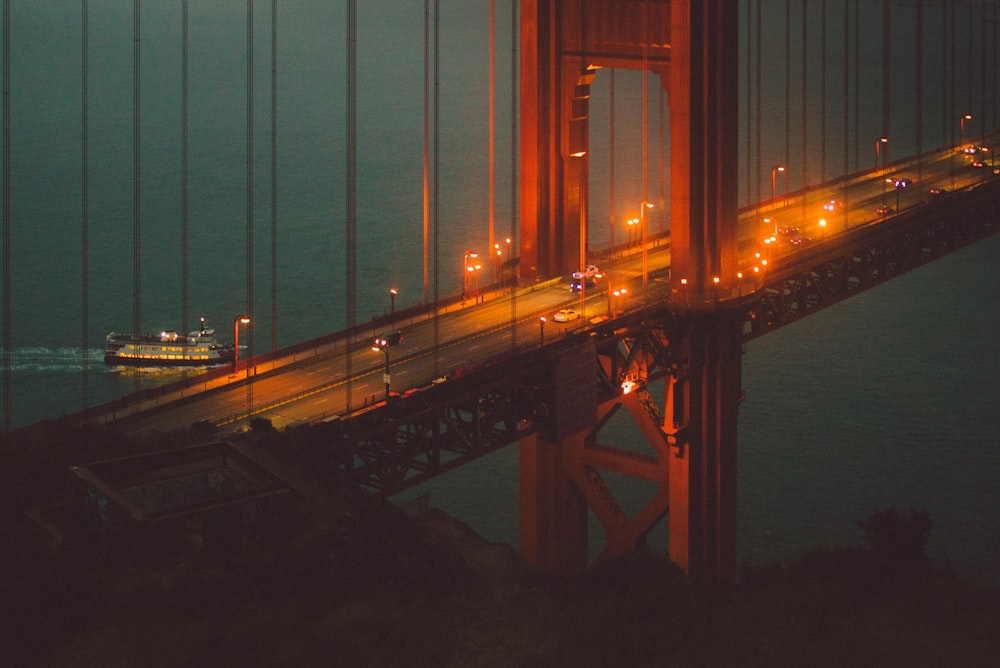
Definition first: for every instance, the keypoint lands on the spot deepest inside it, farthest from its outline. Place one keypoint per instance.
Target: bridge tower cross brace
(692, 45)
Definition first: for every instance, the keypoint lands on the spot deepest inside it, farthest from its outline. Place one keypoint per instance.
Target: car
(787, 231)
(903, 182)
(590, 271)
(565, 315)
(798, 240)
(832, 205)
(978, 164)
(936, 193)
(884, 210)
(578, 284)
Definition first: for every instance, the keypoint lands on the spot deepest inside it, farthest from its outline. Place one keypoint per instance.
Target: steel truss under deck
(391, 447)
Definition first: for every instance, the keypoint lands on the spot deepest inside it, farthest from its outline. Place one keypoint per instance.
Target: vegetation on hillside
(352, 581)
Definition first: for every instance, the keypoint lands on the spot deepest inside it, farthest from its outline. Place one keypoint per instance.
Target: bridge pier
(553, 522)
(700, 420)
(691, 458)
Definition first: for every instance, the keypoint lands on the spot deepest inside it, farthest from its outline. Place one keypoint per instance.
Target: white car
(590, 271)
(565, 315)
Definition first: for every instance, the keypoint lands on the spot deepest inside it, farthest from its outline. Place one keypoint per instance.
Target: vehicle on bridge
(590, 271)
(565, 315)
(168, 348)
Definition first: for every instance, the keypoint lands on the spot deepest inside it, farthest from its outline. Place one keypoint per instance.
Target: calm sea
(889, 399)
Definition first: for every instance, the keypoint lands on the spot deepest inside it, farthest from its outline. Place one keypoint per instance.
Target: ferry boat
(169, 348)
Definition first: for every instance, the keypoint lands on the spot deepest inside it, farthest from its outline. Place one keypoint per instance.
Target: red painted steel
(692, 45)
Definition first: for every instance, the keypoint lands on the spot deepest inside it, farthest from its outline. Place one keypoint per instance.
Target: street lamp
(774, 171)
(541, 330)
(878, 146)
(632, 222)
(466, 270)
(619, 302)
(382, 344)
(642, 231)
(474, 269)
(961, 128)
(392, 307)
(497, 254)
(513, 270)
(239, 320)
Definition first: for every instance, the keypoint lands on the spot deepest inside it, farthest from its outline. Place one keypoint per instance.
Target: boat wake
(34, 359)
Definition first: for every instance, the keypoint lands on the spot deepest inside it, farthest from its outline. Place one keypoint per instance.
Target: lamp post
(239, 320)
(474, 269)
(878, 147)
(961, 128)
(618, 305)
(497, 254)
(392, 307)
(541, 330)
(642, 232)
(774, 171)
(630, 223)
(382, 345)
(466, 270)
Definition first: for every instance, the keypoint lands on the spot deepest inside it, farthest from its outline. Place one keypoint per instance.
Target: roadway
(317, 387)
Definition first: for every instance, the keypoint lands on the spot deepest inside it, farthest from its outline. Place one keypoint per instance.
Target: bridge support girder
(691, 456)
(700, 420)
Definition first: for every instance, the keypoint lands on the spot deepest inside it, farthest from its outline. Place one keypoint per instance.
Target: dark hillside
(352, 581)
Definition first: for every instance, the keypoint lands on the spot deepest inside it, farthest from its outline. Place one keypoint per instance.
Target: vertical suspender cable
(185, 211)
(857, 86)
(886, 57)
(945, 111)
(805, 107)
(274, 175)
(6, 216)
(351, 222)
(249, 196)
(84, 214)
(982, 72)
(663, 160)
(492, 141)
(757, 95)
(846, 97)
(993, 82)
(968, 58)
(919, 57)
(426, 150)
(611, 162)
(846, 120)
(822, 93)
(788, 82)
(514, 267)
(583, 186)
(136, 209)
(437, 221)
(951, 77)
(748, 120)
(645, 140)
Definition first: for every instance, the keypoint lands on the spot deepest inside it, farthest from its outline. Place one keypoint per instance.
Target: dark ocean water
(889, 399)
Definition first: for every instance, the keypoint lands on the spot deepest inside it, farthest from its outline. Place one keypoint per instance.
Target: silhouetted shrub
(897, 538)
